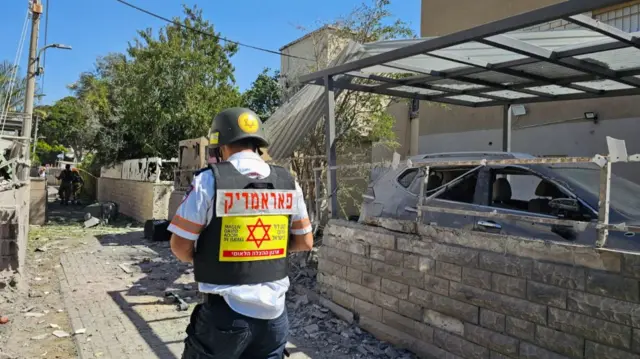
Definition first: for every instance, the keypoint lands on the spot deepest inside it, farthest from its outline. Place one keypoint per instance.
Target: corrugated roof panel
(621, 59)
(555, 90)
(422, 91)
(509, 94)
(456, 85)
(546, 69)
(604, 85)
(497, 77)
(292, 121)
(469, 98)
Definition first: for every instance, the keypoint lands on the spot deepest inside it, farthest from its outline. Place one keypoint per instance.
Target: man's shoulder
(203, 178)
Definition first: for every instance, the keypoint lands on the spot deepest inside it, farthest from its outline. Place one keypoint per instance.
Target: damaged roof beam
(569, 97)
(537, 79)
(445, 91)
(607, 46)
(523, 48)
(520, 21)
(605, 29)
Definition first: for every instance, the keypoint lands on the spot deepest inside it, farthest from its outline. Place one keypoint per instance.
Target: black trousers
(217, 332)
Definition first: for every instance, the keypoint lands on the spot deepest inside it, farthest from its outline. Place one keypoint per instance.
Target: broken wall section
(450, 293)
(136, 187)
(192, 157)
(14, 229)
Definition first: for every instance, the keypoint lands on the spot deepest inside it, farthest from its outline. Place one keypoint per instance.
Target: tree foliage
(172, 85)
(11, 98)
(168, 86)
(361, 118)
(67, 124)
(264, 96)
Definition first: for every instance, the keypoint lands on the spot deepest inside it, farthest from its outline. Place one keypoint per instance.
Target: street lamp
(40, 70)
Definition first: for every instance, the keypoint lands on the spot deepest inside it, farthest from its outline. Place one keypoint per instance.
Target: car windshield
(624, 193)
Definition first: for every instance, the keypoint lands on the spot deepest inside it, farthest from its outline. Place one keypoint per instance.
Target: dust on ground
(109, 285)
(37, 312)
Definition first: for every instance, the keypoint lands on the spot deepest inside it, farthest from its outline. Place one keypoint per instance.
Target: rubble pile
(314, 326)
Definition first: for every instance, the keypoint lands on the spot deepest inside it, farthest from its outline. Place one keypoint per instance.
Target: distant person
(65, 177)
(76, 183)
(42, 172)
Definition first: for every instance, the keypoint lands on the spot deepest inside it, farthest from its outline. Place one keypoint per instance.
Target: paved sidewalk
(114, 285)
(124, 314)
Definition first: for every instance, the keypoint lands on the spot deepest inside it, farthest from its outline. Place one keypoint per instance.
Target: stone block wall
(174, 202)
(444, 293)
(14, 228)
(137, 199)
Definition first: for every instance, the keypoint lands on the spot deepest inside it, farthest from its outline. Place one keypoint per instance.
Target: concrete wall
(14, 228)
(453, 294)
(567, 139)
(137, 199)
(38, 201)
(314, 50)
(174, 201)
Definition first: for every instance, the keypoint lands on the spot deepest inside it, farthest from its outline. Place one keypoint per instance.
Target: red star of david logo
(252, 236)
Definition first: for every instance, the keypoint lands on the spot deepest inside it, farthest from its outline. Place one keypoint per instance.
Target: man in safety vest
(65, 178)
(236, 224)
(76, 185)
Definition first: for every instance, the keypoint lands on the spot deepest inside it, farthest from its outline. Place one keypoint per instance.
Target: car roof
(467, 156)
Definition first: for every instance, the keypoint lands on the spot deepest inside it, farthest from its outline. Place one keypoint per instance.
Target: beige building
(553, 128)
(316, 50)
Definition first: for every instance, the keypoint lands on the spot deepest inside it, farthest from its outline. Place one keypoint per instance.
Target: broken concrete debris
(40, 337)
(315, 326)
(60, 334)
(125, 268)
(34, 315)
(91, 222)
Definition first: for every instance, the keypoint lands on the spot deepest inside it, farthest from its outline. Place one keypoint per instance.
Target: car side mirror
(567, 204)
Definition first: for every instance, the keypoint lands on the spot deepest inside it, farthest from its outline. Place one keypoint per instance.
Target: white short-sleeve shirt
(264, 300)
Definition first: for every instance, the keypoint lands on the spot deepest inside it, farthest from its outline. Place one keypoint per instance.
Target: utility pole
(36, 12)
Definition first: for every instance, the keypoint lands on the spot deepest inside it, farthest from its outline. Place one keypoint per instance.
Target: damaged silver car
(558, 191)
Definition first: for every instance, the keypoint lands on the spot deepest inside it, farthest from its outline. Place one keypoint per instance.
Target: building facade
(553, 128)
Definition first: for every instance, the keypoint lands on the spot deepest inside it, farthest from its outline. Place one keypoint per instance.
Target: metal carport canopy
(498, 64)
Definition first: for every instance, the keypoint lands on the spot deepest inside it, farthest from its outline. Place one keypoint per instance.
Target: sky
(97, 27)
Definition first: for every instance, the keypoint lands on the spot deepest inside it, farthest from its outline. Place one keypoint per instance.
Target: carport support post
(317, 200)
(603, 204)
(330, 134)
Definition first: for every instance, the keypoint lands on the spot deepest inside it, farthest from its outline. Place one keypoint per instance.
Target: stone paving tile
(121, 321)
(124, 314)
(120, 324)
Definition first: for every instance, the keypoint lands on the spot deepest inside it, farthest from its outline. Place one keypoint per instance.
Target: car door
(447, 209)
(518, 189)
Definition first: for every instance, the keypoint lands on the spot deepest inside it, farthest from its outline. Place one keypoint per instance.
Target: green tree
(11, 98)
(46, 153)
(98, 91)
(169, 87)
(66, 124)
(264, 96)
(361, 118)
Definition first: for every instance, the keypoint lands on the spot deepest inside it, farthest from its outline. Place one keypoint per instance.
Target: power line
(44, 56)
(6, 103)
(209, 34)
